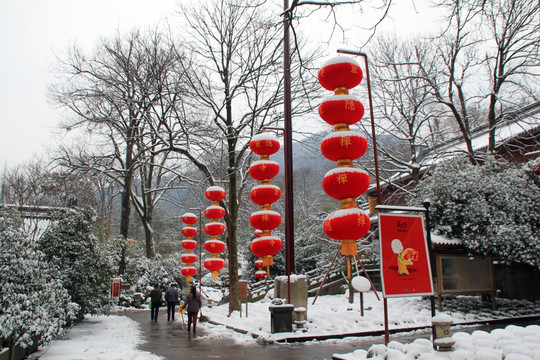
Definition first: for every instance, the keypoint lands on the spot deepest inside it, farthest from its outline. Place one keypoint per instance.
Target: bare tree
(403, 105)
(485, 42)
(117, 95)
(513, 57)
(235, 91)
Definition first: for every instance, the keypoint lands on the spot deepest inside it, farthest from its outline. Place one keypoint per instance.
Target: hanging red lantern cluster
(214, 228)
(265, 246)
(344, 183)
(189, 244)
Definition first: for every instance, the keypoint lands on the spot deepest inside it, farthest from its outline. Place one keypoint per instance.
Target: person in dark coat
(171, 297)
(193, 304)
(156, 297)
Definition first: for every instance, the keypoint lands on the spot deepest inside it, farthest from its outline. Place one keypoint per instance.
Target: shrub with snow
(34, 305)
(79, 260)
(493, 208)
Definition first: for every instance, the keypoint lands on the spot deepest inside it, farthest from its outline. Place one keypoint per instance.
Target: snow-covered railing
(315, 278)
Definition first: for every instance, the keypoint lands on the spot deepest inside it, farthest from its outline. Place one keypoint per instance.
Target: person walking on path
(171, 297)
(156, 298)
(193, 304)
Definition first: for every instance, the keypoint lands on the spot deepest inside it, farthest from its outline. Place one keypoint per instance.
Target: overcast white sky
(31, 31)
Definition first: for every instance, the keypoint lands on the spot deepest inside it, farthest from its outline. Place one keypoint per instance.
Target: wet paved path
(172, 341)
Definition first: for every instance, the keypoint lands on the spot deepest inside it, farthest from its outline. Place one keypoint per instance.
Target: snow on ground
(511, 343)
(97, 337)
(333, 314)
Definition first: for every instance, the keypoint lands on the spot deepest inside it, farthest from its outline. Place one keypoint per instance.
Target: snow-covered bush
(142, 272)
(34, 305)
(77, 255)
(494, 209)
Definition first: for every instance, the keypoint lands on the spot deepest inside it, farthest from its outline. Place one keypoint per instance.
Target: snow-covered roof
(516, 124)
(520, 123)
(440, 240)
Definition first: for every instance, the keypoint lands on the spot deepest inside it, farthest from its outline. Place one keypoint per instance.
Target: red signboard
(405, 265)
(115, 290)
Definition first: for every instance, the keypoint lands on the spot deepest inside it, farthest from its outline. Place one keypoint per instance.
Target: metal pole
(200, 247)
(428, 230)
(229, 246)
(287, 147)
(325, 276)
(287, 252)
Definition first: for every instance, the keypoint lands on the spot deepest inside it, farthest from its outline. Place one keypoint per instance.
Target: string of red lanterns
(214, 228)
(344, 183)
(265, 245)
(189, 244)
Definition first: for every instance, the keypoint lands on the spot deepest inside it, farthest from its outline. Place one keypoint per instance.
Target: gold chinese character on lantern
(345, 141)
(349, 105)
(342, 179)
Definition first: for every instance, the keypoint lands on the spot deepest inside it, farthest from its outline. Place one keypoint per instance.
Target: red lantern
(214, 264)
(341, 109)
(258, 233)
(342, 183)
(265, 220)
(264, 144)
(214, 228)
(189, 232)
(215, 193)
(214, 212)
(189, 271)
(261, 274)
(347, 224)
(189, 258)
(338, 72)
(257, 250)
(343, 145)
(263, 169)
(189, 244)
(189, 218)
(265, 194)
(266, 247)
(258, 263)
(269, 245)
(214, 246)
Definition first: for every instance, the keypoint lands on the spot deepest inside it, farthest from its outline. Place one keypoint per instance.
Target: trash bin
(281, 318)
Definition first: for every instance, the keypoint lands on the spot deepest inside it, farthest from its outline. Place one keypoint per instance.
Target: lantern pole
(229, 240)
(289, 255)
(376, 161)
(287, 144)
(200, 246)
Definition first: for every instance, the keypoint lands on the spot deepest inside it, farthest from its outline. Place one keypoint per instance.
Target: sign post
(404, 242)
(405, 262)
(243, 295)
